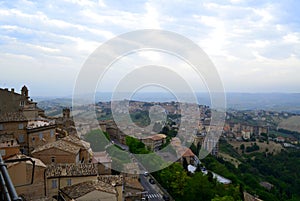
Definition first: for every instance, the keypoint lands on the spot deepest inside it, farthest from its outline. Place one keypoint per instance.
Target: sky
(254, 44)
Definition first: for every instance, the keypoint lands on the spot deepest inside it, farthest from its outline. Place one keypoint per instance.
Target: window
(54, 183)
(33, 139)
(21, 126)
(69, 182)
(53, 159)
(52, 133)
(21, 138)
(41, 136)
(1, 127)
(21, 103)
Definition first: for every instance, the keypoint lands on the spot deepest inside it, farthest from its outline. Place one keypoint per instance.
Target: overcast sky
(255, 45)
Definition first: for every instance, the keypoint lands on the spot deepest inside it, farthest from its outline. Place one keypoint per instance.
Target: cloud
(245, 39)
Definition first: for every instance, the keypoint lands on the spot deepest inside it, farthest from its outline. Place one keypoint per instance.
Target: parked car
(166, 198)
(146, 174)
(151, 181)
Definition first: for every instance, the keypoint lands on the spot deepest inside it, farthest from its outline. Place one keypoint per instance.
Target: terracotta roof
(77, 141)
(157, 137)
(101, 157)
(12, 117)
(116, 180)
(132, 168)
(188, 153)
(81, 189)
(133, 183)
(181, 150)
(61, 145)
(69, 170)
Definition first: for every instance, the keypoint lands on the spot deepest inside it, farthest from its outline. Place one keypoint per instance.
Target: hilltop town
(65, 161)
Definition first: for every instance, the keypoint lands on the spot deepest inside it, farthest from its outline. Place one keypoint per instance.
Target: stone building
(70, 149)
(106, 187)
(57, 152)
(89, 191)
(115, 180)
(8, 146)
(14, 124)
(211, 144)
(208, 143)
(103, 162)
(114, 132)
(189, 156)
(85, 153)
(132, 189)
(182, 152)
(154, 142)
(28, 134)
(59, 176)
(24, 121)
(21, 175)
(11, 101)
(40, 132)
(66, 122)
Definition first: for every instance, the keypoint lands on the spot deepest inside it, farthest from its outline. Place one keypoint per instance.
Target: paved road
(154, 192)
(124, 147)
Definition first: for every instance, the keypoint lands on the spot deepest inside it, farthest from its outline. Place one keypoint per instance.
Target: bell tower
(24, 91)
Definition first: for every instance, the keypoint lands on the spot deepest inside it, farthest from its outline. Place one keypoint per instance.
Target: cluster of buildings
(183, 126)
(47, 160)
(241, 131)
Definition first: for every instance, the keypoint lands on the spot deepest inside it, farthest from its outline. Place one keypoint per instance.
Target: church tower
(24, 91)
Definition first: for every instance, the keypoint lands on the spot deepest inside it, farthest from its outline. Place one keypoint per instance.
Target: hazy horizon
(254, 45)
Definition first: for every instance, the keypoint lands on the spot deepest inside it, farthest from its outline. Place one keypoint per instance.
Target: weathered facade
(8, 146)
(155, 142)
(103, 162)
(21, 173)
(57, 152)
(62, 175)
(85, 153)
(14, 124)
(66, 122)
(39, 133)
(11, 101)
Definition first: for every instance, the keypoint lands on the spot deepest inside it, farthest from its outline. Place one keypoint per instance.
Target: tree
(135, 146)
(194, 149)
(174, 178)
(199, 188)
(242, 147)
(165, 130)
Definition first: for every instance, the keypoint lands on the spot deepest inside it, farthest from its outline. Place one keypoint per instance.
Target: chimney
(12, 90)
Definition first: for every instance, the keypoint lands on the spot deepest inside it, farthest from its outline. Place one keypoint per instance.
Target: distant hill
(289, 102)
(291, 123)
